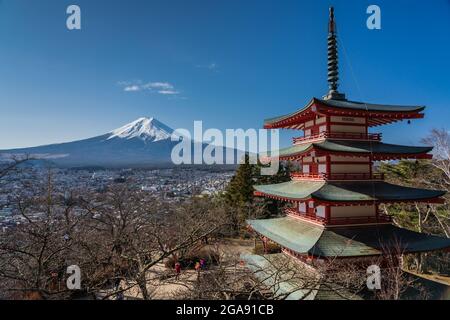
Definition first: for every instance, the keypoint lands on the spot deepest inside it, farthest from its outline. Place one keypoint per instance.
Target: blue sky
(229, 63)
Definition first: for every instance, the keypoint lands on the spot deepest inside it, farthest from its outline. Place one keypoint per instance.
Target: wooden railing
(381, 218)
(339, 135)
(307, 176)
(337, 176)
(310, 216)
(355, 176)
(360, 220)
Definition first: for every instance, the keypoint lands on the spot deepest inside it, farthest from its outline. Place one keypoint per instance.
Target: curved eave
(369, 107)
(369, 191)
(294, 120)
(305, 238)
(292, 199)
(377, 114)
(289, 233)
(375, 239)
(289, 191)
(375, 156)
(347, 193)
(377, 150)
(278, 197)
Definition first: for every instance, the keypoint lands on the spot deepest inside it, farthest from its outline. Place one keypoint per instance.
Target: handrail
(355, 176)
(360, 219)
(307, 176)
(310, 216)
(381, 218)
(339, 135)
(337, 176)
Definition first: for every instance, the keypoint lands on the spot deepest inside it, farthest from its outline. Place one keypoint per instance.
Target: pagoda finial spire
(333, 69)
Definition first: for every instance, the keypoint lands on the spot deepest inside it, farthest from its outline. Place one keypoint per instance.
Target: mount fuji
(145, 142)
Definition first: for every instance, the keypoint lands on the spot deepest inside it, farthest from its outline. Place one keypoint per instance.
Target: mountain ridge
(144, 142)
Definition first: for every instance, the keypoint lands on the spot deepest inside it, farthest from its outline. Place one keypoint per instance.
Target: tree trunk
(419, 263)
(142, 283)
(420, 217)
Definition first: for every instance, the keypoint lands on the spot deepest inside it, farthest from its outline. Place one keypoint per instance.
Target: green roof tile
(352, 146)
(291, 189)
(307, 238)
(289, 232)
(347, 191)
(345, 104)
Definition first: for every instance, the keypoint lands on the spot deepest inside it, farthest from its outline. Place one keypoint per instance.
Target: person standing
(198, 268)
(177, 270)
(203, 264)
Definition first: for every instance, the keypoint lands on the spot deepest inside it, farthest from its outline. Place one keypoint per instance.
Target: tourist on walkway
(198, 268)
(177, 270)
(203, 264)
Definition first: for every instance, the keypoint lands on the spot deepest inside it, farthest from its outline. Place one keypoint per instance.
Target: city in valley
(168, 184)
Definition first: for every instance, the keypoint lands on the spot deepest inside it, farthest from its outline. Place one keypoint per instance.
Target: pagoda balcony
(338, 135)
(380, 218)
(360, 220)
(309, 216)
(307, 176)
(337, 176)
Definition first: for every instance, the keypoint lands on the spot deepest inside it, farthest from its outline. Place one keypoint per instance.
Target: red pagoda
(334, 198)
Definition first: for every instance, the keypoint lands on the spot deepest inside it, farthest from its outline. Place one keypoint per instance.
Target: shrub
(271, 248)
(188, 261)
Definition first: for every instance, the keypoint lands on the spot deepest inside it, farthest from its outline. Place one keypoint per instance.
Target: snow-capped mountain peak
(147, 129)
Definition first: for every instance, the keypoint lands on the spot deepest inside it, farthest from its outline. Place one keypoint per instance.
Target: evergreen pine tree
(240, 189)
(239, 193)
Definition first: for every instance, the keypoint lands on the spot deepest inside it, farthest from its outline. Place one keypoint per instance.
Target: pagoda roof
(348, 191)
(305, 237)
(369, 106)
(379, 113)
(379, 150)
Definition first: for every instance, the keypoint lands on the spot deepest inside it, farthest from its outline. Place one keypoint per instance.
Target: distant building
(120, 180)
(6, 211)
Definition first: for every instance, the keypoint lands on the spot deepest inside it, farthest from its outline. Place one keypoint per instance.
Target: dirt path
(170, 288)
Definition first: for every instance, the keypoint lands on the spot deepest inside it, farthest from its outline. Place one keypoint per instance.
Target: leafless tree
(34, 254)
(440, 140)
(136, 233)
(116, 237)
